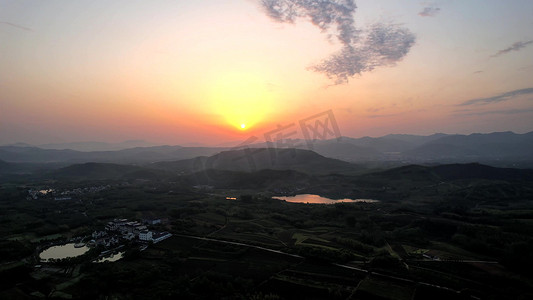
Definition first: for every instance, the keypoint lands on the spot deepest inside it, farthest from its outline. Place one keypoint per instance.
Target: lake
(316, 199)
(62, 251)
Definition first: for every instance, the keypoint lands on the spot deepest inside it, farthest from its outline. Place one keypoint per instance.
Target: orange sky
(182, 72)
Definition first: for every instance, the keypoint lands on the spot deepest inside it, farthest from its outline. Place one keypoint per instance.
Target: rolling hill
(100, 171)
(254, 159)
(262, 179)
(497, 149)
(5, 167)
(450, 172)
(497, 146)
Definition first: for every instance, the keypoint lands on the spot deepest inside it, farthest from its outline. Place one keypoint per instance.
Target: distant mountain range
(132, 155)
(91, 146)
(275, 170)
(252, 167)
(492, 147)
(499, 149)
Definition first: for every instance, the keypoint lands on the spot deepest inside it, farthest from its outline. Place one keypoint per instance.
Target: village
(66, 194)
(117, 234)
(119, 230)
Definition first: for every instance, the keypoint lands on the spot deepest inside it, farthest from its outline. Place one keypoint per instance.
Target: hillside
(273, 180)
(99, 171)
(5, 167)
(497, 146)
(250, 160)
(450, 172)
(347, 151)
(3, 164)
(497, 149)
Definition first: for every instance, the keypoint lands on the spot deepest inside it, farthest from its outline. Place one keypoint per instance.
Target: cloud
(382, 115)
(526, 68)
(429, 11)
(375, 109)
(498, 98)
(514, 47)
(363, 50)
(493, 112)
(16, 26)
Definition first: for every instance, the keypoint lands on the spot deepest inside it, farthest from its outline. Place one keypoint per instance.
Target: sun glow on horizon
(242, 99)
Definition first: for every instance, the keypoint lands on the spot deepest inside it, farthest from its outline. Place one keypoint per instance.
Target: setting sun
(241, 98)
(197, 71)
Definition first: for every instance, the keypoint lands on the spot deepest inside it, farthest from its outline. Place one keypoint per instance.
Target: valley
(453, 230)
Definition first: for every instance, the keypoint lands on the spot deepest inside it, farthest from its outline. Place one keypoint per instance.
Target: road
(238, 244)
(339, 265)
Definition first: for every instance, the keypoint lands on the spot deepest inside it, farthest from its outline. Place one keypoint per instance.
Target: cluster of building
(129, 230)
(154, 237)
(66, 194)
(89, 189)
(36, 194)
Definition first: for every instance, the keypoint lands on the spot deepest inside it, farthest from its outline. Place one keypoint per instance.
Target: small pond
(62, 251)
(111, 258)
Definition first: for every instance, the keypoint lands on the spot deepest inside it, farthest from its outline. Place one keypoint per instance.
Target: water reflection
(316, 199)
(111, 258)
(62, 251)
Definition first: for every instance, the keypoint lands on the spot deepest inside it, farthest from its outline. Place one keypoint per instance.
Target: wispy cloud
(16, 26)
(405, 112)
(468, 112)
(363, 50)
(429, 11)
(374, 116)
(478, 72)
(375, 109)
(498, 98)
(514, 47)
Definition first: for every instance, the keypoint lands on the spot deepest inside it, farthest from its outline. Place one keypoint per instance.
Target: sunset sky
(181, 72)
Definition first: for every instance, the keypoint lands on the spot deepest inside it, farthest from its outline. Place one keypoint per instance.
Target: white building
(138, 229)
(129, 227)
(159, 236)
(145, 236)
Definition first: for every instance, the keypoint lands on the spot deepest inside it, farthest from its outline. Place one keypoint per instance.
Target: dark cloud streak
(514, 47)
(16, 26)
(362, 50)
(499, 98)
(493, 112)
(429, 11)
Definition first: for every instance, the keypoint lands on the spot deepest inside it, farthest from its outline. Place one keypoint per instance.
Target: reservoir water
(62, 251)
(111, 258)
(316, 199)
